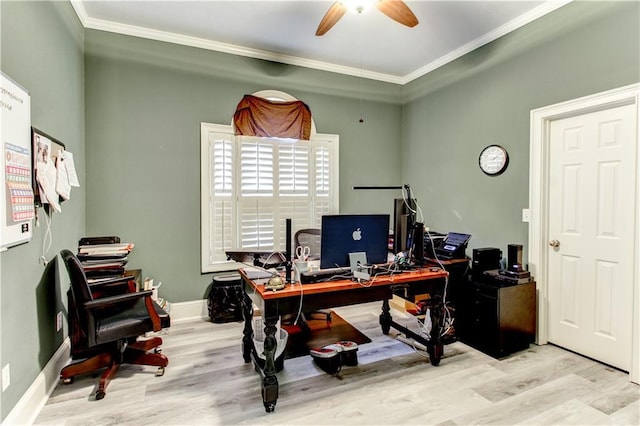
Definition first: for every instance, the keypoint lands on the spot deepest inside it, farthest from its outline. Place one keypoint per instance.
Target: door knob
(554, 243)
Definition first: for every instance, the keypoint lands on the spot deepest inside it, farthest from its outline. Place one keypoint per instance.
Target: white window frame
(210, 260)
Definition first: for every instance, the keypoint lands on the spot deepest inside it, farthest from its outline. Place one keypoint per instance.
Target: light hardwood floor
(207, 382)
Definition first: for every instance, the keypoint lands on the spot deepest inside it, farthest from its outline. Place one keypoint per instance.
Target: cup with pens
(301, 261)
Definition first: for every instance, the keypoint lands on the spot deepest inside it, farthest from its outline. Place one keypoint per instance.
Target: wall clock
(493, 160)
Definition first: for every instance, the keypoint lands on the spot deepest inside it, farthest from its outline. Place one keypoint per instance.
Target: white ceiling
(369, 44)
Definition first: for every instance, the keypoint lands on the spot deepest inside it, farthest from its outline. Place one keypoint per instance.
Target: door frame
(540, 120)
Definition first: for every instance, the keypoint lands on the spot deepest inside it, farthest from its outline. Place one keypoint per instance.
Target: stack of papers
(104, 260)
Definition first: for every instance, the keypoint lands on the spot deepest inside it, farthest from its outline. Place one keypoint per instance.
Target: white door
(591, 232)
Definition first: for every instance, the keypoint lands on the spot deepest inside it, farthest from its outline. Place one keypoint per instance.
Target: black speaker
(486, 258)
(514, 257)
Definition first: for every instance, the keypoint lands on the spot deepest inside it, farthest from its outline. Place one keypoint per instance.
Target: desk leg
(247, 338)
(385, 317)
(436, 347)
(270, 381)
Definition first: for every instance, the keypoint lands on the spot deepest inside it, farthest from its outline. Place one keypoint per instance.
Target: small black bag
(225, 299)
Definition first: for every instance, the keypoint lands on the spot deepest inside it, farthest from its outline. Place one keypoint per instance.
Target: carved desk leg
(247, 338)
(385, 317)
(270, 381)
(436, 347)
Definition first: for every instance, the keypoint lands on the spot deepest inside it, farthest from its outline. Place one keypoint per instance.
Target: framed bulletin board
(17, 211)
(45, 149)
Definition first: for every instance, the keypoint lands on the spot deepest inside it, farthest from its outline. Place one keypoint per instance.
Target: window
(251, 185)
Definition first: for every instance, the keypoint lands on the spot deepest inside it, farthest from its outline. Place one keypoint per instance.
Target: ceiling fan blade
(333, 15)
(398, 11)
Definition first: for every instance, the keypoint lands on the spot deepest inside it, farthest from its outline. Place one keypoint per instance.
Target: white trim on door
(538, 201)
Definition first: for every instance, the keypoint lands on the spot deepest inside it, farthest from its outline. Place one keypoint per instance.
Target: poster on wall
(18, 211)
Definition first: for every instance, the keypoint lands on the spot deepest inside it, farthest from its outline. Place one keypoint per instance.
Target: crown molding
(487, 38)
(136, 31)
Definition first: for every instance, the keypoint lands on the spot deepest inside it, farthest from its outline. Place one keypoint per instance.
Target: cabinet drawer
(485, 290)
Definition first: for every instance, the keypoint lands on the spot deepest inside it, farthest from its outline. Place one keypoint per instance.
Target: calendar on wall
(18, 209)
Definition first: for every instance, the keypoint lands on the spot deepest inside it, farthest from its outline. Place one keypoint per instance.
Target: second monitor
(344, 234)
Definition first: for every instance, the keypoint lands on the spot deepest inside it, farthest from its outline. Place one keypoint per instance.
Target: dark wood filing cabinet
(495, 319)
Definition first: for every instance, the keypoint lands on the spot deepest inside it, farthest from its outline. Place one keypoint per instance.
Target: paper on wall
(46, 176)
(62, 179)
(71, 168)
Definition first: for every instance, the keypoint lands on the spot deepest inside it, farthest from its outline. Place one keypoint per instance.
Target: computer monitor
(344, 234)
(404, 219)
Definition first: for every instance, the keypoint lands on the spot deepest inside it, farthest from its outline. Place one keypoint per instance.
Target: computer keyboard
(319, 275)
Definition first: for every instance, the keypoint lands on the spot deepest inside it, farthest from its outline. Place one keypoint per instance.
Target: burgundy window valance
(256, 116)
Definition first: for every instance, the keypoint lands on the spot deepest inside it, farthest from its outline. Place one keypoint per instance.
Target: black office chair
(309, 237)
(105, 322)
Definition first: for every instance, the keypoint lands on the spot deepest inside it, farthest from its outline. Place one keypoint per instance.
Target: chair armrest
(109, 301)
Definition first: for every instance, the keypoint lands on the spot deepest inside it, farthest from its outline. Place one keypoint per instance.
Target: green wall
(145, 102)
(142, 103)
(486, 98)
(42, 50)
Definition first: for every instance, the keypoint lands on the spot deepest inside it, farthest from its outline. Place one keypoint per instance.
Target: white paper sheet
(62, 179)
(47, 180)
(71, 168)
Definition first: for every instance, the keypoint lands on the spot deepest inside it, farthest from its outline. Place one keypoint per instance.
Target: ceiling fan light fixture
(394, 9)
(359, 6)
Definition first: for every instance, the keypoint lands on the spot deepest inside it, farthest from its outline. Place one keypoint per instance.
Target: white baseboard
(28, 407)
(185, 311)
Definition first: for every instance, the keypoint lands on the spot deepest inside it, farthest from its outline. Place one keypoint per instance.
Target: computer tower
(485, 259)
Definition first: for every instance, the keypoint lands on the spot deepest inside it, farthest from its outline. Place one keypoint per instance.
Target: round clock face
(493, 160)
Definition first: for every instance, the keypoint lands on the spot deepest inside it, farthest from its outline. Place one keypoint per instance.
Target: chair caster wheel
(99, 395)
(160, 372)
(157, 350)
(67, 381)
(270, 408)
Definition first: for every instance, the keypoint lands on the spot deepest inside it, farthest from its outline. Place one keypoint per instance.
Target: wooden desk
(329, 294)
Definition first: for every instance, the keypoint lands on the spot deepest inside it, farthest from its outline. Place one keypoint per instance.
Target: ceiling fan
(394, 9)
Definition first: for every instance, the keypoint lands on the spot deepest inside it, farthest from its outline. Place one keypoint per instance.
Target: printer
(453, 246)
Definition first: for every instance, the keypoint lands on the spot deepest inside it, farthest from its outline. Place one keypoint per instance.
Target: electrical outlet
(6, 377)
(59, 321)
(526, 215)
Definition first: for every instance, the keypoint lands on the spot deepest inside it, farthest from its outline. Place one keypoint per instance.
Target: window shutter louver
(257, 224)
(256, 169)
(294, 170)
(222, 167)
(222, 229)
(323, 171)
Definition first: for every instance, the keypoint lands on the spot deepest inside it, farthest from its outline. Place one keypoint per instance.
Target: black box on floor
(225, 298)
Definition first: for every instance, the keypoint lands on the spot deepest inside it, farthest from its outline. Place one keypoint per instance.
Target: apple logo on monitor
(357, 235)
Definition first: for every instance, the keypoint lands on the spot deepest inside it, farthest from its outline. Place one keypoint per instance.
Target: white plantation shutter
(323, 170)
(325, 183)
(222, 228)
(293, 169)
(220, 234)
(257, 227)
(256, 167)
(222, 165)
(252, 185)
